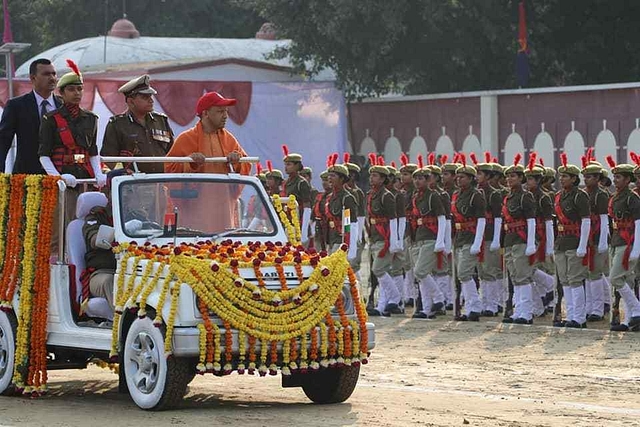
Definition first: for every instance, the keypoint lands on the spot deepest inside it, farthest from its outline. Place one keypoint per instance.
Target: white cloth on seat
(76, 250)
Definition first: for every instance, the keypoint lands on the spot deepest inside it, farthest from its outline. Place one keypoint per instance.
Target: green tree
(48, 23)
(422, 46)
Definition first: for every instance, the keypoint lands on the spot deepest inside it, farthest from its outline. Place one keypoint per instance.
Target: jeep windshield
(204, 208)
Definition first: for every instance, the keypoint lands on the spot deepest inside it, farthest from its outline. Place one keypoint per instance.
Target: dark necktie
(43, 108)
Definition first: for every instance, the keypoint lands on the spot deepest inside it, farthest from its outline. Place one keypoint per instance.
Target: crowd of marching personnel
(481, 238)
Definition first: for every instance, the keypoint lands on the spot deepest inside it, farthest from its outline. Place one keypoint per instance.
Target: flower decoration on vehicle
(27, 204)
(286, 326)
(289, 219)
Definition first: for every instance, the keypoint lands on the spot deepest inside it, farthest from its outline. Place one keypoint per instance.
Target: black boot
(619, 328)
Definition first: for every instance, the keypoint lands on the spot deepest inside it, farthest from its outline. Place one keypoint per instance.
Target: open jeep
(210, 278)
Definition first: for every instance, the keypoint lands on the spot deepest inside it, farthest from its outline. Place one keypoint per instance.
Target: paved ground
(426, 373)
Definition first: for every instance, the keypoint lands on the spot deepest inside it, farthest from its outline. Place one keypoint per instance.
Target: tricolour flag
(346, 224)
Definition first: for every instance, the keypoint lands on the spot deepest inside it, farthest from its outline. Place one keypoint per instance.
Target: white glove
(585, 227)
(312, 229)
(394, 246)
(132, 226)
(105, 237)
(353, 242)
(479, 237)
(306, 218)
(442, 228)
(48, 166)
(447, 238)
(635, 249)
(531, 237)
(603, 242)
(69, 180)
(497, 227)
(361, 230)
(548, 229)
(101, 178)
(402, 228)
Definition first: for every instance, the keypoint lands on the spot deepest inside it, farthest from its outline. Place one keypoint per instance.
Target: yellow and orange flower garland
(27, 205)
(297, 319)
(291, 221)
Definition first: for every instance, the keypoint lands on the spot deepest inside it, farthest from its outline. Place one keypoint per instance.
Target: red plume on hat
(334, 159)
(456, 157)
(372, 159)
(589, 156)
(584, 161)
(541, 161)
(487, 157)
(532, 160)
(634, 158)
(420, 161)
(346, 157)
(494, 160)
(393, 164)
(73, 66)
(432, 158)
(463, 159)
(611, 162)
(474, 159)
(563, 159)
(404, 159)
(285, 150)
(258, 168)
(380, 161)
(516, 159)
(443, 159)
(269, 165)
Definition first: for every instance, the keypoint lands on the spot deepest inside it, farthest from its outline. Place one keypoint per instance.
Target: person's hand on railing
(198, 157)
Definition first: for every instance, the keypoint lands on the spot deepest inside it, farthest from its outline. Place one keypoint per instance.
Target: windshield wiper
(238, 231)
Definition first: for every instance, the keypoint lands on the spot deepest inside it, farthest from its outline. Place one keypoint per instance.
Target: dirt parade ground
(423, 373)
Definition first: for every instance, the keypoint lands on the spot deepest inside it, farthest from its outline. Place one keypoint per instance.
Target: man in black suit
(22, 115)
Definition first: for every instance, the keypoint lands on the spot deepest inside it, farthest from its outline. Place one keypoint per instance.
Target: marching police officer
(574, 225)
(468, 210)
(519, 223)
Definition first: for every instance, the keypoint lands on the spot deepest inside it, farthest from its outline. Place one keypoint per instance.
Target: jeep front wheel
(8, 326)
(154, 381)
(331, 385)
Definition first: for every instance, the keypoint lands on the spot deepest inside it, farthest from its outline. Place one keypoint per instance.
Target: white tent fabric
(309, 117)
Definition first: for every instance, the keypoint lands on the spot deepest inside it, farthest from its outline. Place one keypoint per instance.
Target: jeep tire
(8, 328)
(154, 381)
(332, 385)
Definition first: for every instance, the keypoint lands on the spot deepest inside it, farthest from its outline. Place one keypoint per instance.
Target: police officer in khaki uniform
(405, 229)
(382, 224)
(490, 268)
(442, 275)
(574, 225)
(274, 179)
(297, 186)
(352, 186)
(544, 282)
(336, 203)
(427, 250)
(468, 211)
(396, 272)
(519, 224)
(140, 131)
(597, 250)
(319, 218)
(449, 173)
(624, 212)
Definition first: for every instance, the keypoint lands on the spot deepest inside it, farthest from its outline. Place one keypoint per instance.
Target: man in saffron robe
(209, 138)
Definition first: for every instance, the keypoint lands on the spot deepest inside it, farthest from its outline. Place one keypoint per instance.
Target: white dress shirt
(39, 99)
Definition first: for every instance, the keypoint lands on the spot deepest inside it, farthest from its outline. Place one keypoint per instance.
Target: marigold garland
(292, 226)
(296, 320)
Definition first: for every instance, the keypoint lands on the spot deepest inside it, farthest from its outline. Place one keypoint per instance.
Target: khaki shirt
(575, 205)
(429, 203)
(84, 129)
(380, 203)
(125, 136)
(300, 188)
(625, 205)
(521, 206)
(599, 205)
(470, 204)
(335, 203)
(493, 200)
(360, 199)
